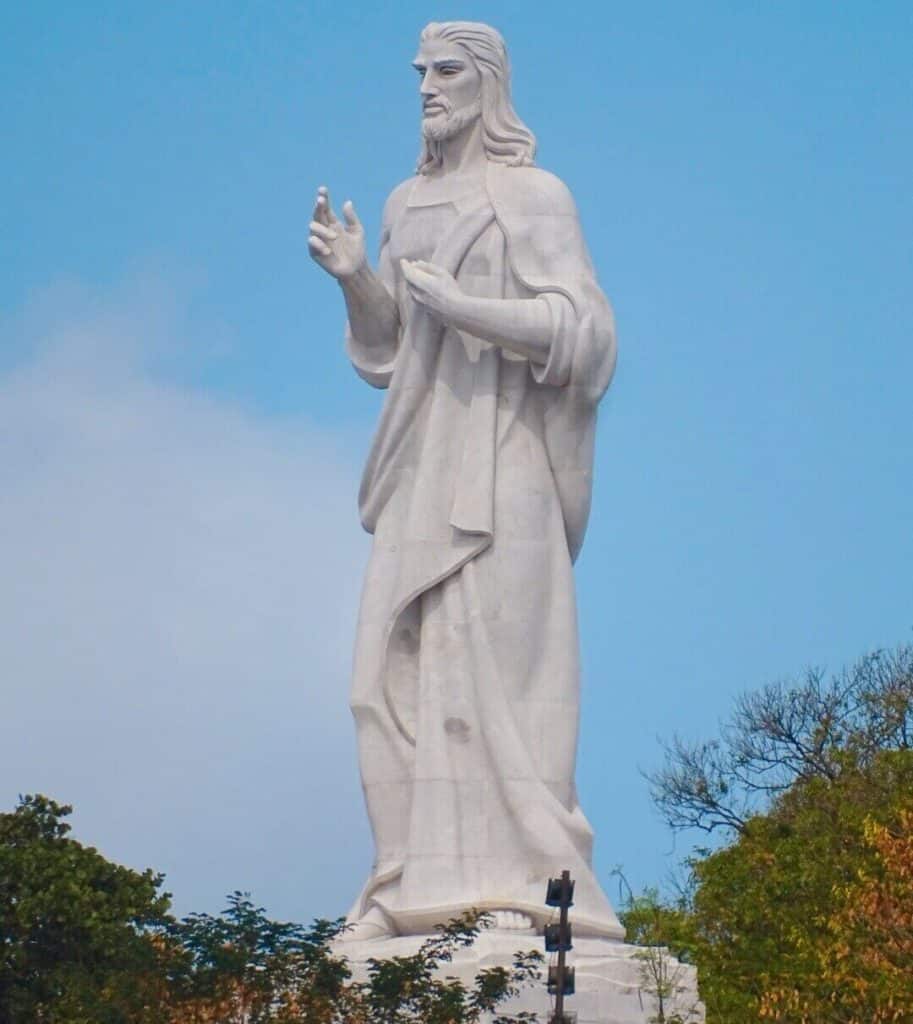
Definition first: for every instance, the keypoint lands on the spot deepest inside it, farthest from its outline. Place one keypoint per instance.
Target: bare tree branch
(784, 732)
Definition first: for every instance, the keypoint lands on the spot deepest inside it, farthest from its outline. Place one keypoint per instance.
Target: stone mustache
(486, 326)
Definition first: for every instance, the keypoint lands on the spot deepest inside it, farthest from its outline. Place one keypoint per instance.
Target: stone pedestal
(612, 983)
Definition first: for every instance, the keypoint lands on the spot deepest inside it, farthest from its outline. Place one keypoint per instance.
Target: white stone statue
(485, 324)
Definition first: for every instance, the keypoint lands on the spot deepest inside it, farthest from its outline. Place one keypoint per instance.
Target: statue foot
(374, 925)
(511, 921)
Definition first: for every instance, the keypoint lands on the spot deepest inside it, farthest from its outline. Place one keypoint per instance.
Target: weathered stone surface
(612, 987)
(485, 324)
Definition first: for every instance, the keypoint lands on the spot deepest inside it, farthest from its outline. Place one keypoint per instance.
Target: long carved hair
(505, 137)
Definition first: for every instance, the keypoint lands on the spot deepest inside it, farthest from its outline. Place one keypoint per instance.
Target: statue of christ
(486, 327)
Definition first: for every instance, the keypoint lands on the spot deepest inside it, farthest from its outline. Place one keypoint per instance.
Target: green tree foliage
(764, 904)
(410, 990)
(77, 933)
(798, 779)
(665, 931)
(869, 956)
(86, 941)
(242, 968)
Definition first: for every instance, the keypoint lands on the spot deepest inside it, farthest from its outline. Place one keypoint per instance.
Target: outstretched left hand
(432, 287)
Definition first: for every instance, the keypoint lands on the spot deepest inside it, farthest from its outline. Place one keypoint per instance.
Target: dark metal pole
(562, 954)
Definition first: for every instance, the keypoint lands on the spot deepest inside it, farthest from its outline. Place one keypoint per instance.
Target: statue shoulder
(530, 191)
(397, 200)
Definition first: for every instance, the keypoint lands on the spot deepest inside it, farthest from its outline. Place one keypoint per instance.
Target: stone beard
(454, 122)
(477, 492)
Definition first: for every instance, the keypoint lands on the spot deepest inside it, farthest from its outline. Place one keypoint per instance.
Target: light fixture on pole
(561, 982)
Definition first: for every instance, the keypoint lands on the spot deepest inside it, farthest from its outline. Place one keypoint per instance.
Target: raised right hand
(338, 247)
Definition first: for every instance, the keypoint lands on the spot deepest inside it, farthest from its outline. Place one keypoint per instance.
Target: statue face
(450, 88)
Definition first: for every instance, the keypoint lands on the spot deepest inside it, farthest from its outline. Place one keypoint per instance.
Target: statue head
(484, 94)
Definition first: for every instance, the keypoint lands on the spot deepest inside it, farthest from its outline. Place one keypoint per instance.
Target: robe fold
(477, 491)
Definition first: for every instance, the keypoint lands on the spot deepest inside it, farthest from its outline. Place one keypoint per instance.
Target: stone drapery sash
(471, 520)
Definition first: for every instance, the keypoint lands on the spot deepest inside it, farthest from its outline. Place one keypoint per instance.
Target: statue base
(615, 982)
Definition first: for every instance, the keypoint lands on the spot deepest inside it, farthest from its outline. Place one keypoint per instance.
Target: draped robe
(477, 491)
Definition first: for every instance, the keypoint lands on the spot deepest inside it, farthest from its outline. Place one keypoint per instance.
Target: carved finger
(317, 212)
(324, 215)
(429, 268)
(332, 219)
(328, 234)
(317, 245)
(348, 211)
(322, 205)
(413, 272)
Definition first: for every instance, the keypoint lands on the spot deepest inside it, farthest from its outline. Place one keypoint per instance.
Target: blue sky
(182, 435)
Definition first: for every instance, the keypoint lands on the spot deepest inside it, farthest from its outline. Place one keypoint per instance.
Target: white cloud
(180, 580)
